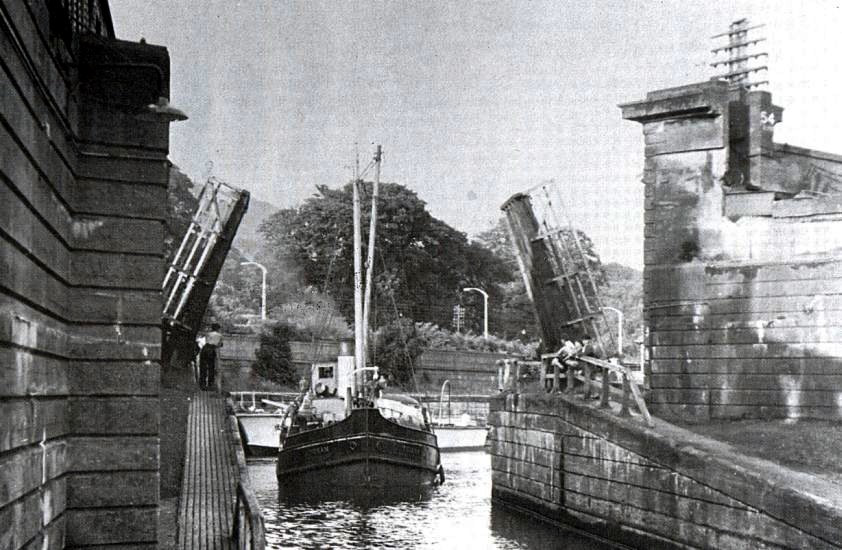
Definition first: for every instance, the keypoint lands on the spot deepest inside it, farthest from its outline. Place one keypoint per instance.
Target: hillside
(248, 241)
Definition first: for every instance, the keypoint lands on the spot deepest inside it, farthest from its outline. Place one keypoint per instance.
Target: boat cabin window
(325, 372)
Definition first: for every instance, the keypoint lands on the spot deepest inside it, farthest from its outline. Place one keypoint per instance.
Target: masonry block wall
(469, 372)
(742, 254)
(83, 181)
(587, 467)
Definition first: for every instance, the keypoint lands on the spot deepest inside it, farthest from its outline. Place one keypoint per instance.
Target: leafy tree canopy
(397, 347)
(624, 291)
(421, 263)
(619, 286)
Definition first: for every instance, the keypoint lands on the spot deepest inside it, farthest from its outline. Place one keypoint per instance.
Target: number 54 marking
(767, 119)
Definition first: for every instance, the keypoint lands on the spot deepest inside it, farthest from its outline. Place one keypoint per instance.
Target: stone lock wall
(469, 372)
(742, 254)
(83, 183)
(668, 488)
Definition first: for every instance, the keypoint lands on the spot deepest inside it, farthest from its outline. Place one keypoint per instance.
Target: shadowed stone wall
(743, 256)
(83, 185)
(469, 372)
(650, 488)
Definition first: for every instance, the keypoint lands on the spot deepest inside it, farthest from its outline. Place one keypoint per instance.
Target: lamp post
(619, 329)
(485, 309)
(263, 289)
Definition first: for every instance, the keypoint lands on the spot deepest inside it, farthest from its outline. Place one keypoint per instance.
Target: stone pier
(666, 487)
(742, 302)
(743, 257)
(83, 202)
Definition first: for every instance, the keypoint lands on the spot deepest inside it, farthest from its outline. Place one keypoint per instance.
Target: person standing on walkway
(208, 357)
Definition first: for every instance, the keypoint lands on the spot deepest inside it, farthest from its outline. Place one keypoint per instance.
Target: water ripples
(457, 515)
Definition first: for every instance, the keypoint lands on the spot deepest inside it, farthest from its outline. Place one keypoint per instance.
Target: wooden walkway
(209, 485)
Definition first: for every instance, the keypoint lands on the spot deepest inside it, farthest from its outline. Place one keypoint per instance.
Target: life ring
(441, 474)
(353, 445)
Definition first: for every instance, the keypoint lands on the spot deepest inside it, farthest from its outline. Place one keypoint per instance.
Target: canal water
(459, 515)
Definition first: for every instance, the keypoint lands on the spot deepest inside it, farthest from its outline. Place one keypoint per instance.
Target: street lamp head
(485, 308)
(256, 264)
(481, 291)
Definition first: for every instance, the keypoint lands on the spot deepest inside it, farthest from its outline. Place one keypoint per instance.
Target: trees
(619, 286)
(274, 356)
(181, 204)
(515, 312)
(421, 263)
(397, 347)
(624, 291)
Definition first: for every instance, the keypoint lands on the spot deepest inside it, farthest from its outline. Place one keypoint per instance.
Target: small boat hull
(461, 438)
(364, 452)
(261, 433)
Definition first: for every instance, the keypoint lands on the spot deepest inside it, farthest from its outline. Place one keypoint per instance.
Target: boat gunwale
(258, 415)
(368, 456)
(348, 420)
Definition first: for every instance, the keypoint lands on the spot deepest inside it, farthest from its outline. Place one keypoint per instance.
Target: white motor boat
(260, 421)
(457, 432)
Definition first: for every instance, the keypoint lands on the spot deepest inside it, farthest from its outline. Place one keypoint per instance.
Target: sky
(471, 101)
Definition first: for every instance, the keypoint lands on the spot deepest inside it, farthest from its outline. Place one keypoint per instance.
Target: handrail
(630, 387)
(248, 531)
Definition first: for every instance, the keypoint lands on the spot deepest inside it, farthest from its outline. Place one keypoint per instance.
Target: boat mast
(359, 342)
(369, 264)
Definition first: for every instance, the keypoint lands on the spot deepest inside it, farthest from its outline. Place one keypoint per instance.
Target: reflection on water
(458, 514)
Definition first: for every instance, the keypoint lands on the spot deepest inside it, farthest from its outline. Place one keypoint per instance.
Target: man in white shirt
(208, 357)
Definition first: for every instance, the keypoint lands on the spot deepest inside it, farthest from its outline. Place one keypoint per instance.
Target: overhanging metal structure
(196, 264)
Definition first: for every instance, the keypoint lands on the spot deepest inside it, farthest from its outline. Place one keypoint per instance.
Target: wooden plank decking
(209, 485)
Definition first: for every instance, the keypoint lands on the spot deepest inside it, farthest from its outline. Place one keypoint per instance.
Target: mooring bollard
(586, 371)
(571, 377)
(517, 376)
(624, 405)
(606, 389)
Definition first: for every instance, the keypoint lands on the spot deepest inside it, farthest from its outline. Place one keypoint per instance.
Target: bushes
(274, 357)
(314, 316)
(435, 337)
(397, 346)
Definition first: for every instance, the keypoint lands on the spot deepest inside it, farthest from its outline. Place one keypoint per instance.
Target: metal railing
(247, 531)
(246, 401)
(88, 16)
(215, 204)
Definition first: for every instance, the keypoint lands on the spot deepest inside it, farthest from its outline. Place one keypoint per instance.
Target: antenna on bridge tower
(741, 52)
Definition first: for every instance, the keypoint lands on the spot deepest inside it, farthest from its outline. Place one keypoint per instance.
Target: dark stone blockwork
(743, 320)
(83, 176)
(650, 488)
(742, 254)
